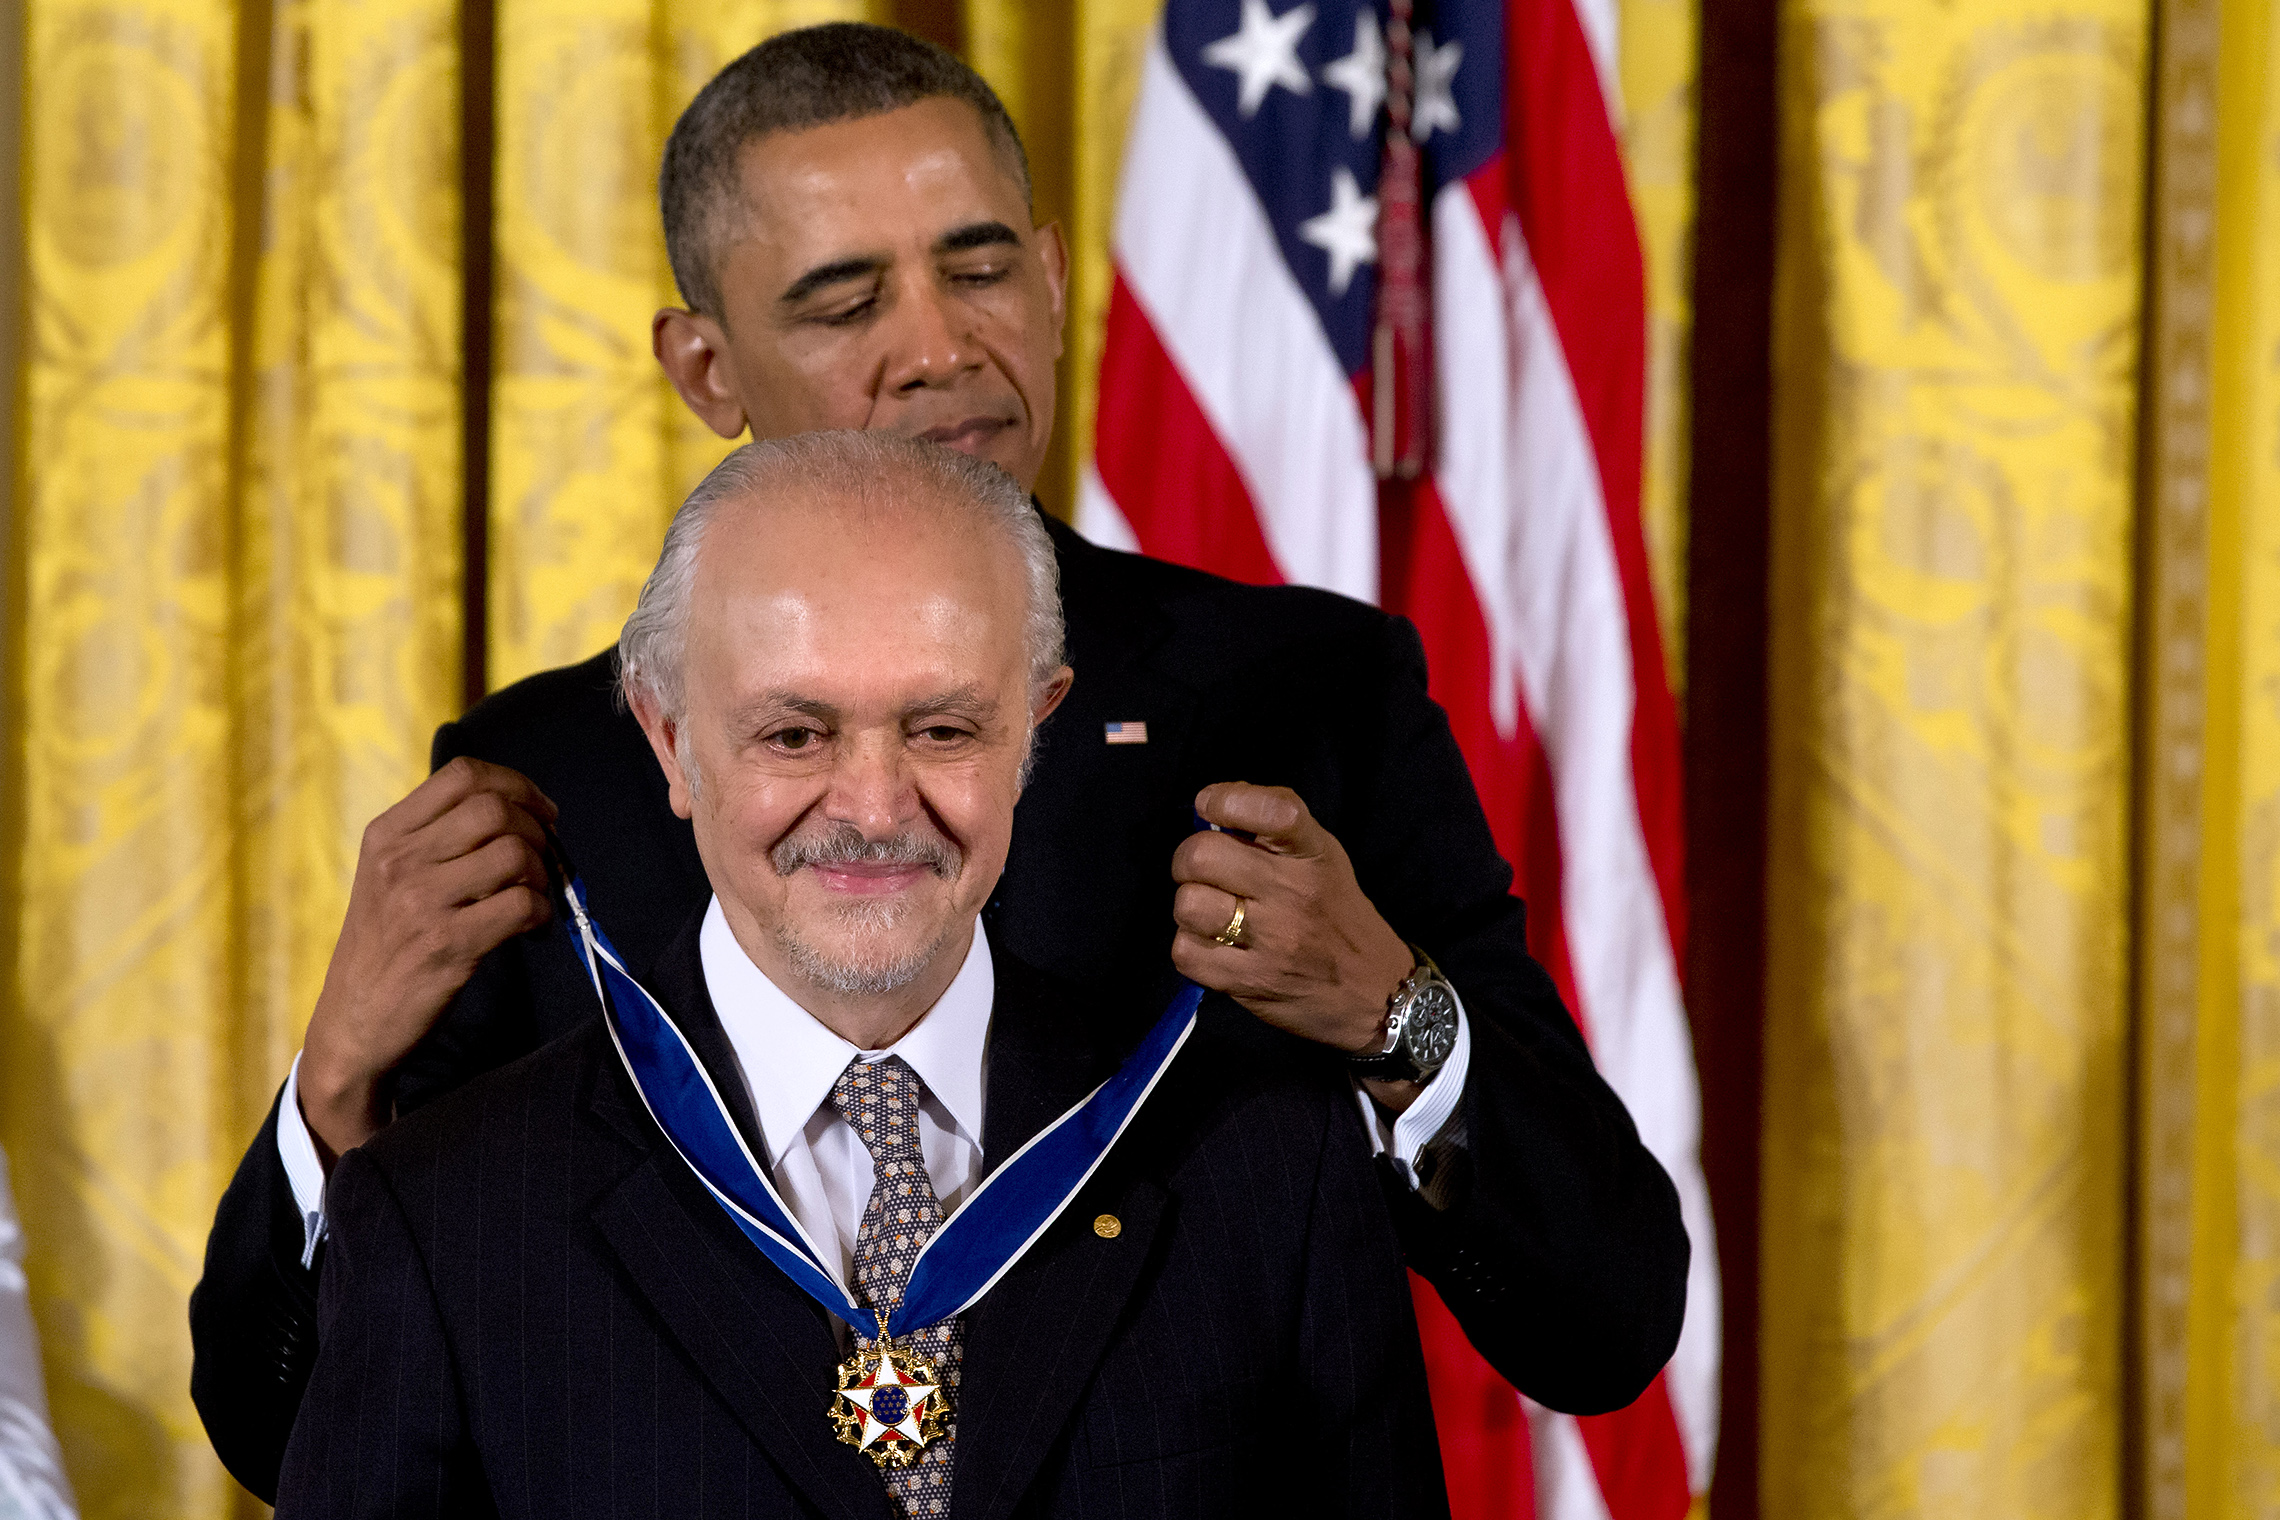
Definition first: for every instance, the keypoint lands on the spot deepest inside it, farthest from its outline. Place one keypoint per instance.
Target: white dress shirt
(791, 1061)
(32, 1484)
(820, 1166)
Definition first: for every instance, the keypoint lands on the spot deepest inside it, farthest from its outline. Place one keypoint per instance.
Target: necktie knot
(879, 1100)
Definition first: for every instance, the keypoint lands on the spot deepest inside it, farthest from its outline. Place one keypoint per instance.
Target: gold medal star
(890, 1403)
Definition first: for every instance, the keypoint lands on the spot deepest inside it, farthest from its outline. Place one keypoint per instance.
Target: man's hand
(442, 878)
(1314, 957)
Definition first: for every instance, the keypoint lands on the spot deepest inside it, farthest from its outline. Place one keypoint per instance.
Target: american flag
(1255, 345)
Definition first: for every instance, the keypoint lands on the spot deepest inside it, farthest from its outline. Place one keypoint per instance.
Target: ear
(1049, 696)
(1053, 251)
(692, 349)
(662, 733)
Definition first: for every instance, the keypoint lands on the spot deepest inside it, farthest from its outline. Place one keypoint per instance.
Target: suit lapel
(1032, 1343)
(764, 1346)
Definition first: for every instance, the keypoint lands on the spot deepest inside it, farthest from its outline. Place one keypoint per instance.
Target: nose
(930, 341)
(872, 786)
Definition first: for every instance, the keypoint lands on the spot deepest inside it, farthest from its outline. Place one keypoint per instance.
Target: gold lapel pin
(1108, 1227)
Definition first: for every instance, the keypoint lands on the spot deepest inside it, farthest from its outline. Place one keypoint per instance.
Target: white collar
(791, 1060)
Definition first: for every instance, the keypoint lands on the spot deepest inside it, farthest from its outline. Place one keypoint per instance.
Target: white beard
(856, 971)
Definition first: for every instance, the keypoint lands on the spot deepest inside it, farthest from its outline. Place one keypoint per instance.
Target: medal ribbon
(995, 1226)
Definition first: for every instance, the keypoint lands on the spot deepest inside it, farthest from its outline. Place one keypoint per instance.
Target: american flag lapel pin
(1127, 733)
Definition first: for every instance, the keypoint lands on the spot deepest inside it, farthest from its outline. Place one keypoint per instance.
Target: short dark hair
(799, 79)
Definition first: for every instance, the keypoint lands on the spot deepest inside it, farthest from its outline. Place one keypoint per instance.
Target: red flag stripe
(1163, 464)
(1566, 184)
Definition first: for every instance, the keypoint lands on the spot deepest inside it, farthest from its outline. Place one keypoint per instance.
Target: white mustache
(846, 846)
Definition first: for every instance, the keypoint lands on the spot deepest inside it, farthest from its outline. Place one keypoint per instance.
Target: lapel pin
(1108, 1226)
(1127, 733)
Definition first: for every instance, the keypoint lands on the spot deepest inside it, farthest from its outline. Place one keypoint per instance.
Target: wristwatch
(1420, 1028)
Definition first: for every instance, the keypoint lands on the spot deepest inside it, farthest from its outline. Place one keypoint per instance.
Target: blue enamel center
(889, 1405)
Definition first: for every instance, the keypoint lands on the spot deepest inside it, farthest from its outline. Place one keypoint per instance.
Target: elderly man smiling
(596, 1281)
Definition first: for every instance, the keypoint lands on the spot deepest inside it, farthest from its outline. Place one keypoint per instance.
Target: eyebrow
(837, 272)
(977, 235)
(958, 240)
(971, 699)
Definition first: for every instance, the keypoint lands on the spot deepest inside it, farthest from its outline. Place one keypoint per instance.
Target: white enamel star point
(1435, 105)
(1361, 74)
(1263, 53)
(1347, 231)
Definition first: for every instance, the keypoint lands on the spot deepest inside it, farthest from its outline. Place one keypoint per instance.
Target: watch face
(1430, 1031)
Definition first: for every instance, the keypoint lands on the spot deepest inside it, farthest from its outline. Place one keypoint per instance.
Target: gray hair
(872, 467)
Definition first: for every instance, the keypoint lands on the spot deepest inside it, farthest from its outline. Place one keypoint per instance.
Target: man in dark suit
(848, 216)
(534, 1307)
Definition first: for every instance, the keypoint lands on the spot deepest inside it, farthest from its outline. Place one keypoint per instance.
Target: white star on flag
(1361, 74)
(1265, 53)
(1347, 231)
(914, 1406)
(1436, 102)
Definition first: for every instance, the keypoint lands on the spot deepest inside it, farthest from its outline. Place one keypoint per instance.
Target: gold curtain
(1658, 62)
(2233, 1447)
(237, 612)
(1944, 1159)
(2209, 1194)
(591, 450)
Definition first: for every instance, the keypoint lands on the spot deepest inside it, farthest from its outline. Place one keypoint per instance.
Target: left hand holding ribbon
(1314, 957)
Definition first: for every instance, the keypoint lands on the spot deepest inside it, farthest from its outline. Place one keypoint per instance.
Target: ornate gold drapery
(237, 623)
(2209, 920)
(1944, 1152)
(591, 450)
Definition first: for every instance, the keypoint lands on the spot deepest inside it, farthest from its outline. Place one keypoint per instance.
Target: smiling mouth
(871, 879)
(968, 437)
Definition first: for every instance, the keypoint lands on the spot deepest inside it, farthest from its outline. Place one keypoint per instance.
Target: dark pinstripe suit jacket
(531, 1308)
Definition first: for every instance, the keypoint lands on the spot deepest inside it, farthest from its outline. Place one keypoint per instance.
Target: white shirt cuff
(302, 1168)
(1405, 1138)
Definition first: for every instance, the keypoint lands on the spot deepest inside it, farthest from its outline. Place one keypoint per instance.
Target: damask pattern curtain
(1946, 1058)
(2209, 1163)
(2234, 1440)
(236, 541)
(591, 450)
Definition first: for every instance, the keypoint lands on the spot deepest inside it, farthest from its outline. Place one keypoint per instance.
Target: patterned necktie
(879, 1099)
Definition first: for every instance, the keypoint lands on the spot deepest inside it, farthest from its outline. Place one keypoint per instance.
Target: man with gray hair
(847, 210)
(590, 1283)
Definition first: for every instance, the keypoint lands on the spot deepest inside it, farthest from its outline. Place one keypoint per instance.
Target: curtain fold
(2239, 1413)
(238, 624)
(1943, 1168)
(1660, 60)
(2220, 1358)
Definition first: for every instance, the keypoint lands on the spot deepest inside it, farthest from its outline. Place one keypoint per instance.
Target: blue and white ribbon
(974, 1247)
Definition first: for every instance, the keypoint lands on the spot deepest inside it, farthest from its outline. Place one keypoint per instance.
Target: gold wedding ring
(1232, 935)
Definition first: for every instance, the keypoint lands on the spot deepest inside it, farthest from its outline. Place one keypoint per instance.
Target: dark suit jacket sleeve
(253, 1318)
(1561, 1251)
(381, 1431)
